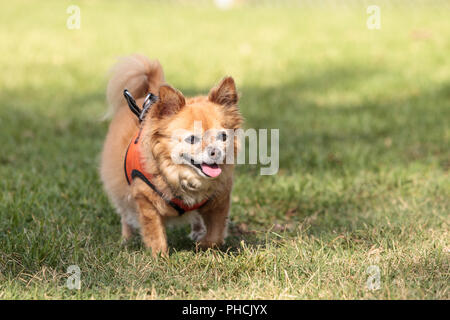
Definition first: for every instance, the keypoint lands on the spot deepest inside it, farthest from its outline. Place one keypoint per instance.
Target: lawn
(364, 150)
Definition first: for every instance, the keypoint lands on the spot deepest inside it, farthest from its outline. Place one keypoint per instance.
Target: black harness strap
(125, 165)
(137, 174)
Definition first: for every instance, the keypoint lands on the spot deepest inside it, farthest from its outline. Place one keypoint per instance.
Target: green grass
(364, 150)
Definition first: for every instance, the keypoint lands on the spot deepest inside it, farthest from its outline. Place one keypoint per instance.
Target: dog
(167, 162)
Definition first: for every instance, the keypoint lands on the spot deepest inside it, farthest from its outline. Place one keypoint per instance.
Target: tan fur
(139, 206)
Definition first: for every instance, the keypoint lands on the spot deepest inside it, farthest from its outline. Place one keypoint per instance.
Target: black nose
(214, 153)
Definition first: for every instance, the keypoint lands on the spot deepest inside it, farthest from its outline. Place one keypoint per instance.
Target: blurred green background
(364, 148)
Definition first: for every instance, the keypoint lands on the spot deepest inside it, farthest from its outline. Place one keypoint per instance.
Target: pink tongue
(212, 170)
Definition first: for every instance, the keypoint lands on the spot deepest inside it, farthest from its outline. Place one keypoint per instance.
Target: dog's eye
(222, 136)
(192, 139)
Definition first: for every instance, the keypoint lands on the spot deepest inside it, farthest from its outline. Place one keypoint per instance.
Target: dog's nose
(214, 153)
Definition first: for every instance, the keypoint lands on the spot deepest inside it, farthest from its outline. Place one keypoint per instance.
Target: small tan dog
(171, 165)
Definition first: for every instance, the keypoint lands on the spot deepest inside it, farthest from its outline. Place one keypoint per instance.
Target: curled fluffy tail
(136, 73)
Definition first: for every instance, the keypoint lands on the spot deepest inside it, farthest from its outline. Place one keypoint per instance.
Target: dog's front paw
(158, 251)
(158, 247)
(191, 184)
(205, 244)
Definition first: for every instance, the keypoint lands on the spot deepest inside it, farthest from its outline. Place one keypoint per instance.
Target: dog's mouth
(210, 170)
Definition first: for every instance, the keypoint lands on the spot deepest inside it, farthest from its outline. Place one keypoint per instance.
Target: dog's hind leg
(127, 230)
(128, 219)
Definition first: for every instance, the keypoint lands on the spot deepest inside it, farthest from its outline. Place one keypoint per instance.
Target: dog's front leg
(216, 222)
(153, 231)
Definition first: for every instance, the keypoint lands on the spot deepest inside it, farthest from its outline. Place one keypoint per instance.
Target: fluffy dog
(171, 165)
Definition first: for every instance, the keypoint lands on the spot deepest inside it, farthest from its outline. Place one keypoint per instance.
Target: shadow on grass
(33, 137)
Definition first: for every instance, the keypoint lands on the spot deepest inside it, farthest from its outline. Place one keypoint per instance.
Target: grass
(364, 150)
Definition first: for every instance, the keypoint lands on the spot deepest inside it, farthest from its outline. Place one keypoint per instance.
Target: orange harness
(134, 169)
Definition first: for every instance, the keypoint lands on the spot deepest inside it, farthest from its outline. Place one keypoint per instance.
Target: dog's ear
(170, 102)
(225, 93)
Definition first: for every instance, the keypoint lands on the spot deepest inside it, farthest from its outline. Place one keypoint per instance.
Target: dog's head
(192, 140)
